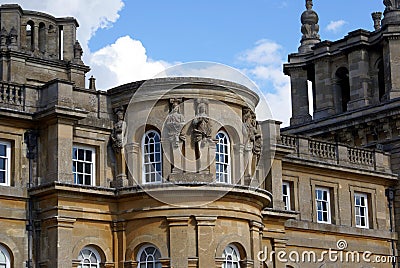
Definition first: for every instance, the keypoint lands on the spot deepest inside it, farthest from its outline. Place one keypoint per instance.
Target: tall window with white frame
(361, 210)
(89, 258)
(4, 258)
(83, 165)
(149, 256)
(5, 163)
(152, 157)
(231, 257)
(223, 158)
(286, 195)
(323, 205)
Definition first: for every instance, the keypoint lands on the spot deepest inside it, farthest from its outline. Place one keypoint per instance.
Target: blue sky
(219, 30)
(128, 40)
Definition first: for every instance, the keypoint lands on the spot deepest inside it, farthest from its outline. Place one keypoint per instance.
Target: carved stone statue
(253, 131)
(309, 21)
(201, 123)
(13, 36)
(175, 122)
(117, 135)
(3, 37)
(78, 51)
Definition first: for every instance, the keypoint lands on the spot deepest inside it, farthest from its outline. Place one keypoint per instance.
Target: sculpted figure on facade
(253, 131)
(3, 36)
(201, 123)
(175, 122)
(78, 51)
(117, 135)
(388, 4)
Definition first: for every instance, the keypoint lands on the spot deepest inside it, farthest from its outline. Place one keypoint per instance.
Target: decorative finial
(376, 17)
(92, 83)
(309, 28)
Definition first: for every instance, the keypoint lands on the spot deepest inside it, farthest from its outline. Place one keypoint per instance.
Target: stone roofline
(338, 155)
(353, 40)
(38, 14)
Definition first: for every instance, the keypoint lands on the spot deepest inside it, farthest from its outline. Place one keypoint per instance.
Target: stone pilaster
(299, 93)
(238, 163)
(205, 241)
(391, 60)
(256, 238)
(359, 79)
(179, 241)
(119, 238)
(59, 151)
(59, 231)
(134, 163)
(279, 245)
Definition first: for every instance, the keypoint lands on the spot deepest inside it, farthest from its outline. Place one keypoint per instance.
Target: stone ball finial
(309, 16)
(309, 28)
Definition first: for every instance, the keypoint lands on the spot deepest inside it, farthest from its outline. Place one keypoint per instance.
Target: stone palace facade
(177, 172)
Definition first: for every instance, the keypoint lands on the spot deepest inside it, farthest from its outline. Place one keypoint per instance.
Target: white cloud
(264, 52)
(335, 26)
(264, 65)
(126, 60)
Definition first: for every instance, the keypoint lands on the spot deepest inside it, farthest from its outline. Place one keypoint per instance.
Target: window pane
(80, 167)
(88, 180)
(2, 177)
(3, 150)
(74, 153)
(80, 179)
(81, 155)
(2, 163)
(2, 257)
(88, 168)
(88, 155)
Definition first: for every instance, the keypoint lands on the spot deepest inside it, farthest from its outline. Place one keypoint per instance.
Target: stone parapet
(337, 153)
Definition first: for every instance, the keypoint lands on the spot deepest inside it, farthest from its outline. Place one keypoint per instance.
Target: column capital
(118, 226)
(57, 221)
(206, 220)
(178, 221)
(256, 226)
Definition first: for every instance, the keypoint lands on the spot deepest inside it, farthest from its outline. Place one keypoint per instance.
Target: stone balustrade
(336, 153)
(12, 96)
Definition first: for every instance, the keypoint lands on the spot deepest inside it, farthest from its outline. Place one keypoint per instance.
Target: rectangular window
(322, 198)
(286, 195)
(5, 163)
(361, 210)
(83, 165)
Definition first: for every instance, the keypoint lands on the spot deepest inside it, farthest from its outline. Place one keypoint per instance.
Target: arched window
(342, 76)
(149, 257)
(4, 258)
(152, 157)
(231, 257)
(222, 158)
(89, 258)
(42, 37)
(30, 35)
